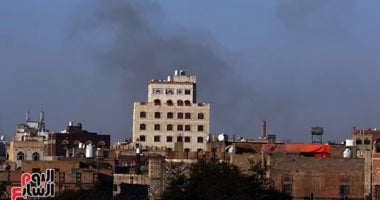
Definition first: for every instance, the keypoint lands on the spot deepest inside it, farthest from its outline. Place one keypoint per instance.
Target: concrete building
(29, 142)
(171, 115)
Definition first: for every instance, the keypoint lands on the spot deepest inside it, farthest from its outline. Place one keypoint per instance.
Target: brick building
(303, 176)
(72, 141)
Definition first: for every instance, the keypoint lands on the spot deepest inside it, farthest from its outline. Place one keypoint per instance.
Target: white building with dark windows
(171, 116)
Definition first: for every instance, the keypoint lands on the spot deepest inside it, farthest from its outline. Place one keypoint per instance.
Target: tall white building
(172, 115)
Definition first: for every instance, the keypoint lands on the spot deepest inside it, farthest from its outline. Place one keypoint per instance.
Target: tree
(220, 180)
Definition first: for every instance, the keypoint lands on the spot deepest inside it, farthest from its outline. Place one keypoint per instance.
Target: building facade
(171, 115)
(73, 142)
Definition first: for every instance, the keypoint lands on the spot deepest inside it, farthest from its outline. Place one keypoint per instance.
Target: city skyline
(296, 64)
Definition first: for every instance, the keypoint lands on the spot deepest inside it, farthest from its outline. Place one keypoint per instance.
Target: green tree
(220, 180)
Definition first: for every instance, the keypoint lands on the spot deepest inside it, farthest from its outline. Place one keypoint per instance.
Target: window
(187, 92)
(187, 115)
(169, 102)
(142, 138)
(358, 141)
(169, 91)
(20, 156)
(344, 187)
(200, 128)
(187, 128)
(287, 185)
(179, 91)
(157, 102)
(169, 127)
(157, 138)
(157, 127)
(187, 139)
(179, 128)
(169, 115)
(344, 190)
(142, 126)
(179, 138)
(201, 116)
(180, 103)
(36, 156)
(169, 139)
(101, 144)
(367, 141)
(187, 103)
(157, 90)
(180, 115)
(142, 114)
(157, 115)
(200, 139)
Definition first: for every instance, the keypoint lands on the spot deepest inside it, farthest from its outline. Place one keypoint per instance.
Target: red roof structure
(315, 150)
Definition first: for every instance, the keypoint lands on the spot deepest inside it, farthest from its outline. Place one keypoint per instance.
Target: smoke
(139, 52)
(303, 74)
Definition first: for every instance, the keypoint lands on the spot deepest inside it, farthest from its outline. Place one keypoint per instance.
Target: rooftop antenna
(27, 115)
(42, 115)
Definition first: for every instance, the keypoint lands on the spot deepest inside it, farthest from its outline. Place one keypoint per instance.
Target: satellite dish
(221, 137)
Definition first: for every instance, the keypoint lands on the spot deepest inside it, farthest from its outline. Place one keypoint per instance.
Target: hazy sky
(295, 63)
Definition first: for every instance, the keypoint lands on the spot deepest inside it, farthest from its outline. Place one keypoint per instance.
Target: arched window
(65, 142)
(169, 127)
(180, 103)
(187, 103)
(20, 156)
(358, 141)
(101, 144)
(201, 116)
(344, 187)
(169, 102)
(287, 185)
(157, 115)
(36, 156)
(157, 102)
(169, 115)
(180, 115)
(187, 115)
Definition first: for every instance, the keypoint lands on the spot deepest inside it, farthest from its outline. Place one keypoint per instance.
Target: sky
(294, 63)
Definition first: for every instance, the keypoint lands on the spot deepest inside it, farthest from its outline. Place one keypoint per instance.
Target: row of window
(157, 138)
(366, 141)
(344, 187)
(21, 156)
(170, 115)
(171, 91)
(169, 127)
(171, 103)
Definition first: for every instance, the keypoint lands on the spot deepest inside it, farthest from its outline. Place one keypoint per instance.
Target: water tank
(90, 151)
(347, 153)
(138, 151)
(349, 143)
(316, 130)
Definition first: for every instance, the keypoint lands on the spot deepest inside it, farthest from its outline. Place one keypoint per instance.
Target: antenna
(27, 115)
(42, 116)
